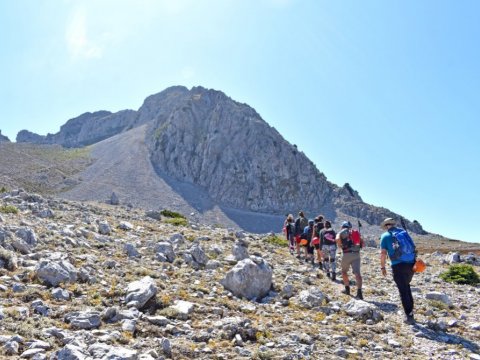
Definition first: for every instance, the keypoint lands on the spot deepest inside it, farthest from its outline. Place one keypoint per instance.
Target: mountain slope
(212, 152)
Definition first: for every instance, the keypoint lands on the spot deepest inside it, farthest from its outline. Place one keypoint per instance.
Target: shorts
(351, 259)
(297, 239)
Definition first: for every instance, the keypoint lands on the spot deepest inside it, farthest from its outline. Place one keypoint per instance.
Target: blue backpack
(403, 246)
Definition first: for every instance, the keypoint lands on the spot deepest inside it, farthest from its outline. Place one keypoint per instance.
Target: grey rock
(453, 258)
(139, 292)
(104, 228)
(182, 309)
(250, 278)
(32, 353)
(438, 296)
(125, 225)
(83, 319)
(27, 235)
(153, 214)
(312, 297)
(60, 294)
(39, 307)
(165, 249)
(56, 272)
(198, 255)
(114, 200)
(11, 347)
(21, 246)
(131, 250)
(239, 251)
(71, 352)
(362, 310)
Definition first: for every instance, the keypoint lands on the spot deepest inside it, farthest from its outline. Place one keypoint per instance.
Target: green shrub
(3, 190)
(172, 214)
(177, 221)
(276, 240)
(461, 274)
(8, 209)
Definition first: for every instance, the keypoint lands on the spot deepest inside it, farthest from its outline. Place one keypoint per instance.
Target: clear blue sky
(384, 95)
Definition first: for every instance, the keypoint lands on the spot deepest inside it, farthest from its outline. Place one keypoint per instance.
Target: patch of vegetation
(8, 209)
(461, 274)
(177, 222)
(276, 240)
(3, 190)
(438, 305)
(172, 214)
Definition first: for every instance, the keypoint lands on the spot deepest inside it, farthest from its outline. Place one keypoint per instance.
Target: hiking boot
(328, 274)
(320, 265)
(334, 277)
(409, 320)
(346, 291)
(359, 294)
(298, 256)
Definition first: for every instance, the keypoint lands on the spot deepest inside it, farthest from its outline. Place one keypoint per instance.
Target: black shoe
(306, 259)
(334, 277)
(359, 294)
(328, 274)
(409, 320)
(346, 291)
(298, 256)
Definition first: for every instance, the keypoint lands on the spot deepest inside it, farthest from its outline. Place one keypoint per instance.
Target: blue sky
(384, 95)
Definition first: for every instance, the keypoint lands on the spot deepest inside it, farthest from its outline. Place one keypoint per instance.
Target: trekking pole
(360, 232)
(402, 221)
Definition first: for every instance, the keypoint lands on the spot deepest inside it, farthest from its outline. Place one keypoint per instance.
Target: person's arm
(338, 240)
(383, 258)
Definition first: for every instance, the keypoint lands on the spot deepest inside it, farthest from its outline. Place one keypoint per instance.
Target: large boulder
(56, 272)
(251, 278)
(139, 292)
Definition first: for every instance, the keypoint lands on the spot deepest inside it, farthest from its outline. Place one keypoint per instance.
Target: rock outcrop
(3, 138)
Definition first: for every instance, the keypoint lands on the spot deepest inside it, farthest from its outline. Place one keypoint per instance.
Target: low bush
(177, 221)
(172, 214)
(461, 274)
(8, 209)
(276, 240)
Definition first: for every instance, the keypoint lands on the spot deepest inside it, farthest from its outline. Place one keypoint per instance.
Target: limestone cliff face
(226, 147)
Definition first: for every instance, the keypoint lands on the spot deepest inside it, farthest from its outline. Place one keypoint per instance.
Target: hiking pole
(402, 221)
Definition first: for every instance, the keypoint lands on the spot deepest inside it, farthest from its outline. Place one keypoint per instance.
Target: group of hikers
(316, 239)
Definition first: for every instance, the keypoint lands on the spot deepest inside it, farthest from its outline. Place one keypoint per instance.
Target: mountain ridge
(204, 138)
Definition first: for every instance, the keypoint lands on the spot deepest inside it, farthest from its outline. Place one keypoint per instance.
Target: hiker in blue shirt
(402, 264)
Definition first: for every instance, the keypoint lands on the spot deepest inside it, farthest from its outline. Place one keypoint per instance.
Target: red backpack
(355, 238)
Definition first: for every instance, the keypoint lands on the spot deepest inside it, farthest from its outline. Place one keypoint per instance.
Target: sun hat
(388, 221)
(346, 224)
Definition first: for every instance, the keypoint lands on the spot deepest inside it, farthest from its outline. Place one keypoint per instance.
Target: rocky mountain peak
(3, 138)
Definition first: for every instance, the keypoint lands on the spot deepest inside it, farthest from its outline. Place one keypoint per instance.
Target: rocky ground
(93, 281)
